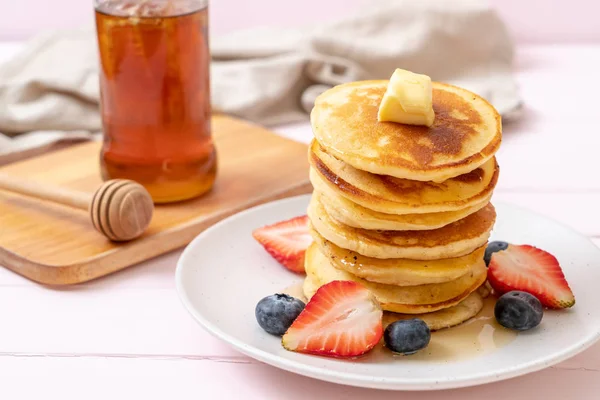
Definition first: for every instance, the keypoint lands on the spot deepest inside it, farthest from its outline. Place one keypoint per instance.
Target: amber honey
(155, 96)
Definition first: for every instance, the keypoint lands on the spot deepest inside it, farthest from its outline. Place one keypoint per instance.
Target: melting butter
(408, 99)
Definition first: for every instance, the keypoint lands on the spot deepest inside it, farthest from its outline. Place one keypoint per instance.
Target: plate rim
(359, 380)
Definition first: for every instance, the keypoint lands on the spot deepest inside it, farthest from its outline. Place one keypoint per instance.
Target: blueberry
(276, 313)
(407, 336)
(518, 310)
(493, 247)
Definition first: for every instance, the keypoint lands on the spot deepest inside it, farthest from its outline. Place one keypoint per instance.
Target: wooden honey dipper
(120, 209)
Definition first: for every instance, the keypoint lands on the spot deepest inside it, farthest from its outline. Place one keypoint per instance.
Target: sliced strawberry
(286, 241)
(531, 270)
(342, 319)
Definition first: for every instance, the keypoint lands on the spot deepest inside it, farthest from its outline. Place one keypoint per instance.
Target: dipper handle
(63, 196)
(119, 209)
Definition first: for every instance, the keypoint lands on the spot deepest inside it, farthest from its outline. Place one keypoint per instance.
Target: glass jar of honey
(155, 96)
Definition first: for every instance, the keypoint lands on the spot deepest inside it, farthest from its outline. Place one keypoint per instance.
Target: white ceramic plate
(223, 273)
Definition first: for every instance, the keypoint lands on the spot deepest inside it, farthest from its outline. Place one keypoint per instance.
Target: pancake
(485, 290)
(407, 299)
(436, 320)
(310, 286)
(395, 271)
(466, 133)
(454, 240)
(352, 214)
(442, 319)
(391, 195)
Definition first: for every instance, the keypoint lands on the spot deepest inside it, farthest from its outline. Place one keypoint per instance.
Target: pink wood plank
(553, 146)
(540, 158)
(135, 322)
(529, 22)
(557, 58)
(91, 320)
(579, 210)
(156, 273)
(105, 378)
(588, 360)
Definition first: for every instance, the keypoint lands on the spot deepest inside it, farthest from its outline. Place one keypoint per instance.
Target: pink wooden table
(127, 336)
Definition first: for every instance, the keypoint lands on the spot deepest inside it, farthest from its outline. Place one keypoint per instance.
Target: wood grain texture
(56, 194)
(57, 245)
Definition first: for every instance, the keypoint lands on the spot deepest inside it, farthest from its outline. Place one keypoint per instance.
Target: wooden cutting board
(57, 245)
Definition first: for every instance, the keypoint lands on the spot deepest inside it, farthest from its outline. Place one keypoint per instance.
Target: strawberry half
(286, 241)
(342, 319)
(531, 270)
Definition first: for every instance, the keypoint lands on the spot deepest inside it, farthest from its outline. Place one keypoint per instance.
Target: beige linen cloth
(271, 76)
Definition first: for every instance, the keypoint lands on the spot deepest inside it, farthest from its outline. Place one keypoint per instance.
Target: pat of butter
(407, 99)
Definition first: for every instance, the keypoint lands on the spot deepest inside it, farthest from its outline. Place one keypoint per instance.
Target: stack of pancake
(404, 210)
